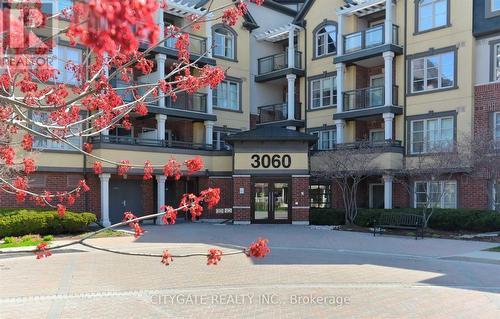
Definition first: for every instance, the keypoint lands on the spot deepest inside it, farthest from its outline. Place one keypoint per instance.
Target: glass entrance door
(271, 202)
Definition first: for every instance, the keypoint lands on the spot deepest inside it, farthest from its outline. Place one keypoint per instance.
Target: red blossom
(172, 168)
(194, 165)
(7, 154)
(191, 203)
(166, 259)
(20, 186)
(27, 143)
(258, 249)
(70, 199)
(42, 250)
(170, 215)
(97, 168)
(214, 256)
(211, 196)
(83, 185)
(141, 108)
(127, 216)
(124, 167)
(61, 210)
(87, 147)
(29, 165)
(148, 170)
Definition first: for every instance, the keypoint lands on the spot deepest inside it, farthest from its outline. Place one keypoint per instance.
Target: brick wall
(300, 198)
(242, 201)
(226, 196)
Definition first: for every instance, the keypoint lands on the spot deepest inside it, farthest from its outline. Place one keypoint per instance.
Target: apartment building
(304, 76)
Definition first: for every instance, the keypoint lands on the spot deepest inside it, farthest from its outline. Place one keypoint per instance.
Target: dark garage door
(124, 196)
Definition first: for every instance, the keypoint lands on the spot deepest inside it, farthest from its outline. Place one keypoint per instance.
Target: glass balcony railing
(277, 112)
(197, 44)
(278, 62)
(367, 97)
(196, 102)
(369, 38)
(127, 140)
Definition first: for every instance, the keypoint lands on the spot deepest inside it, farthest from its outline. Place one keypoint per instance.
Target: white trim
(441, 185)
(242, 175)
(220, 177)
(301, 207)
(363, 7)
(301, 175)
(181, 8)
(300, 222)
(333, 92)
(241, 222)
(439, 67)
(277, 34)
(425, 132)
(496, 139)
(241, 207)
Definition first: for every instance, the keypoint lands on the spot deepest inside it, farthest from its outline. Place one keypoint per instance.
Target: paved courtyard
(310, 273)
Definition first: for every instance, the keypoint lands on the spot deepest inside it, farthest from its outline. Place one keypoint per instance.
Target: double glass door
(271, 202)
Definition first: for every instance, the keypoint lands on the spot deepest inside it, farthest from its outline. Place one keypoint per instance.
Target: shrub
(442, 219)
(19, 222)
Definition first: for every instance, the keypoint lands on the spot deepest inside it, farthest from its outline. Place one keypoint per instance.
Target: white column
(210, 102)
(340, 87)
(161, 120)
(388, 125)
(340, 125)
(160, 179)
(388, 57)
(208, 35)
(388, 21)
(161, 24)
(291, 48)
(291, 96)
(209, 132)
(160, 70)
(387, 191)
(340, 35)
(105, 199)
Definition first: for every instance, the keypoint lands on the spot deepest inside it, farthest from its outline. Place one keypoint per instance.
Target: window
(433, 72)
(320, 195)
(324, 92)
(377, 136)
(432, 14)
(432, 135)
(496, 62)
(326, 40)
(496, 129)
(62, 56)
(52, 144)
(37, 180)
(326, 139)
(227, 95)
(495, 5)
(439, 194)
(224, 43)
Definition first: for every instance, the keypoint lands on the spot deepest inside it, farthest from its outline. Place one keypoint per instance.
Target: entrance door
(271, 202)
(124, 196)
(376, 195)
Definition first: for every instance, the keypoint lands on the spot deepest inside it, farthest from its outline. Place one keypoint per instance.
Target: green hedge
(442, 219)
(19, 222)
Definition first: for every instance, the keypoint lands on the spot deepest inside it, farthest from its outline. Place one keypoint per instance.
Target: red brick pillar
(241, 199)
(300, 199)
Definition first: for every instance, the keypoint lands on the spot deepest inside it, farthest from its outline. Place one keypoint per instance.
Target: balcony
(276, 65)
(196, 102)
(132, 141)
(367, 98)
(277, 112)
(197, 44)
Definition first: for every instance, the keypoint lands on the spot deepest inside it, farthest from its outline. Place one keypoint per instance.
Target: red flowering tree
(112, 32)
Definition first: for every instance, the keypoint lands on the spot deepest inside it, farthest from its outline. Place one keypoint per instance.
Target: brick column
(241, 199)
(300, 199)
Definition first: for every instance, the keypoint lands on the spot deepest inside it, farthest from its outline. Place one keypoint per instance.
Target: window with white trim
(54, 144)
(324, 92)
(495, 5)
(326, 139)
(496, 129)
(433, 72)
(326, 40)
(432, 14)
(320, 195)
(63, 56)
(496, 62)
(432, 135)
(227, 95)
(224, 43)
(438, 194)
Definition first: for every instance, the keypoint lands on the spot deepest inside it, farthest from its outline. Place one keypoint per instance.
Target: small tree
(347, 166)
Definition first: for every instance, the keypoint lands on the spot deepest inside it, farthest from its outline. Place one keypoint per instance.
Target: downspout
(405, 80)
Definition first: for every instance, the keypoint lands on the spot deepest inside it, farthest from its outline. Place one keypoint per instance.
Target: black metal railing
(277, 112)
(363, 145)
(367, 97)
(369, 38)
(278, 62)
(197, 44)
(127, 140)
(196, 102)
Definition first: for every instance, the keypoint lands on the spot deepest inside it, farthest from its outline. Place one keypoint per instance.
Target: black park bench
(399, 221)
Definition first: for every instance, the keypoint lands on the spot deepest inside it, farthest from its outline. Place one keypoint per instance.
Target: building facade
(304, 76)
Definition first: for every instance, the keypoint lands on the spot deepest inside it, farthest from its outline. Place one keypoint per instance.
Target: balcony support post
(208, 34)
(160, 180)
(209, 133)
(291, 96)
(388, 58)
(388, 125)
(340, 35)
(160, 70)
(291, 47)
(388, 21)
(388, 191)
(161, 120)
(340, 87)
(340, 125)
(105, 199)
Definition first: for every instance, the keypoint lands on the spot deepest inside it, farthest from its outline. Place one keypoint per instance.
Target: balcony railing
(368, 38)
(277, 112)
(363, 145)
(368, 97)
(278, 62)
(197, 44)
(196, 102)
(127, 140)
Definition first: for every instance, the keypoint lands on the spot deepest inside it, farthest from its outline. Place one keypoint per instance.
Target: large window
(495, 5)
(323, 92)
(496, 129)
(432, 135)
(433, 72)
(227, 95)
(224, 43)
(439, 194)
(326, 139)
(326, 40)
(496, 62)
(432, 14)
(53, 144)
(320, 195)
(64, 56)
